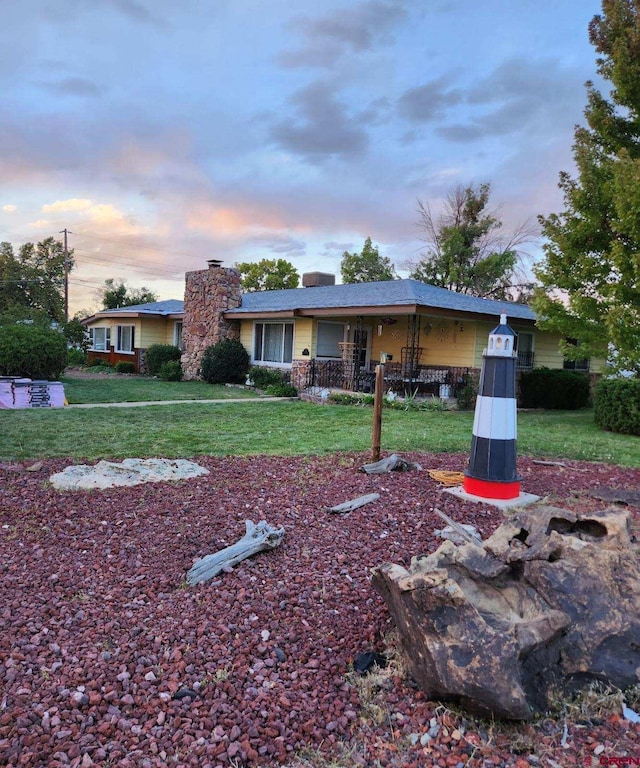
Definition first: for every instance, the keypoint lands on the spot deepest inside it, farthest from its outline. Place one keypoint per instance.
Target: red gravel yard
(107, 657)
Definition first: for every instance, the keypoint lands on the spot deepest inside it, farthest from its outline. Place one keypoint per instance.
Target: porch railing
(437, 380)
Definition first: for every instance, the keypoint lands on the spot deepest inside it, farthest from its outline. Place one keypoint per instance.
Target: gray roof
(389, 293)
(168, 307)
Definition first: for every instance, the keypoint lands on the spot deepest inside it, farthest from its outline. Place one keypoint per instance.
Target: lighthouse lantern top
(502, 340)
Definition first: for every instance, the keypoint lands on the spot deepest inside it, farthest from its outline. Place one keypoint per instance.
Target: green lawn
(116, 389)
(287, 428)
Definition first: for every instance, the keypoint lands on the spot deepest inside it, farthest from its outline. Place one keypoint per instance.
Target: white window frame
(106, 343)
(259, 359)
(177, 334)
(119, 348)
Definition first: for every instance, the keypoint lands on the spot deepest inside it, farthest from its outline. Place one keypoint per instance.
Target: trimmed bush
(98, 362)
(33, 351)
(281, 390)
(267, 377)
(171, 371)
(124, 366)
(226, 362)
(617, 406)
(159, 354)
(76, 356)
(554, 389)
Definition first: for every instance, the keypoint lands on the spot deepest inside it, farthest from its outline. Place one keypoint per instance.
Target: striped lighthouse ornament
(491, 473)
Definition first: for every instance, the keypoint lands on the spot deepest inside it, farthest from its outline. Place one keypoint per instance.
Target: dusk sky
(166, 133)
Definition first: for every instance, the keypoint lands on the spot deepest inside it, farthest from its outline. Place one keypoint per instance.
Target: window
(100, 339)
(329, 336)
(576, 365)
(273, 342)
(525, 351)
(177, 334)
(125, 338)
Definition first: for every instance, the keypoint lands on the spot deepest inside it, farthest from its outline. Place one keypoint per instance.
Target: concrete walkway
(183, 402)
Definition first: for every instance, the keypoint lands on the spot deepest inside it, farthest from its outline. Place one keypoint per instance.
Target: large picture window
(273, 342)
(329, 336)
(125, 338)
(100, 339)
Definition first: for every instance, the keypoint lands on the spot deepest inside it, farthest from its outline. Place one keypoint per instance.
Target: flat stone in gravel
(107, 474)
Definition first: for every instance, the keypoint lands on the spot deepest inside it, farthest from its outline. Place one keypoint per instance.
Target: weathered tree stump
(349, 506)
(549, 601)
(257, 538)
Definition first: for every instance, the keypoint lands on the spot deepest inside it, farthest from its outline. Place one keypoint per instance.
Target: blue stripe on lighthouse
(493, 460)
(498, 377)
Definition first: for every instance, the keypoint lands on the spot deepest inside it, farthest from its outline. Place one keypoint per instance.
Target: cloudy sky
(164, 133)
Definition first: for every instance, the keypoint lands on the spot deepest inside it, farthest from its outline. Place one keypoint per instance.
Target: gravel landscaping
(108, 657)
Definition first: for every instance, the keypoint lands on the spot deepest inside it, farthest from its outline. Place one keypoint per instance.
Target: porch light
(305, 352)
(380, 330)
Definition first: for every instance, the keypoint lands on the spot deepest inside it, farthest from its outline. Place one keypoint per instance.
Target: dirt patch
(108, 657)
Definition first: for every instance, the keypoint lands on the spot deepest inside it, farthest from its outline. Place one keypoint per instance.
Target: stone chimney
(208, 293)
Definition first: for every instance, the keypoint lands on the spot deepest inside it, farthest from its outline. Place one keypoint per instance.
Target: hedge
(225, 362)
(159, 354)
(554, 389)
(617, 405)
(33, 351)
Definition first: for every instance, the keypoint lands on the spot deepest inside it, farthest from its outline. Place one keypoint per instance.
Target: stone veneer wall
(208, 293)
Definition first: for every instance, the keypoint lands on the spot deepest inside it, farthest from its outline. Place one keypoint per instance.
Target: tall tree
(590, 274)
(467, 251)
(32, 283)
(267, 275)
(118, 294)
(367, 266)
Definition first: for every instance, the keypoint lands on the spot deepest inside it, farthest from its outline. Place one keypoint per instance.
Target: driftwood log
(257, 538)
(548, 603)
(393, 463)
(349, 506)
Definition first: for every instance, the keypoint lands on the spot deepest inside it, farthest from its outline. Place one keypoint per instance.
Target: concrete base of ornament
(522, 500)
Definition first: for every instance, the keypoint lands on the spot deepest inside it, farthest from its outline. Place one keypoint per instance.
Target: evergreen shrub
(171, 371)
(281, 390)
(554, 389)
(617, 406)
(159, 354)
(267, 377)
(33, 351)
(226, 362)
(124, 366)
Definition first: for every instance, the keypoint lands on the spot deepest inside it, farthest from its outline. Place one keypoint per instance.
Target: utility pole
(66, 274)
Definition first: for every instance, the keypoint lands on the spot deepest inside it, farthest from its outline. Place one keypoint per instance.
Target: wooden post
(377, 413)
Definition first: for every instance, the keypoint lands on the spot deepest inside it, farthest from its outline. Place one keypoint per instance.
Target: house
(329, 335)
(123, 334)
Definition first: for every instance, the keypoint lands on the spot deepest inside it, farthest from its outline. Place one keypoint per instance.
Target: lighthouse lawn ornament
(492, 475)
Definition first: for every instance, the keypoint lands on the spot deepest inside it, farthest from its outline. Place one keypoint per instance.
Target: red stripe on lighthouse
(489, 489)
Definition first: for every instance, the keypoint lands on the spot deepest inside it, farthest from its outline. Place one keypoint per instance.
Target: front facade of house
(330, 335)
(124, 334)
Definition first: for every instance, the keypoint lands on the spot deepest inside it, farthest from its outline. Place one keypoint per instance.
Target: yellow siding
(155, 330)
(304, 338)
(246, 335)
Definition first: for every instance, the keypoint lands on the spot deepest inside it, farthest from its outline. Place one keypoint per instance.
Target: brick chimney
(208, 293)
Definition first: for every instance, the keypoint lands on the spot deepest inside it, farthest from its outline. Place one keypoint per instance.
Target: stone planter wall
(208, 294)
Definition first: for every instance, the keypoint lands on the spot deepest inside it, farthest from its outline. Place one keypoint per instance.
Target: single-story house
(331, 335)
(124, 333)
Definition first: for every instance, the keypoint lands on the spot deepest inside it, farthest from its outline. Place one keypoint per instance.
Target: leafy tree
(590, 275)
(118, 294)
(267, 275)
(367, 266)
(32, 282)
(466, 250)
